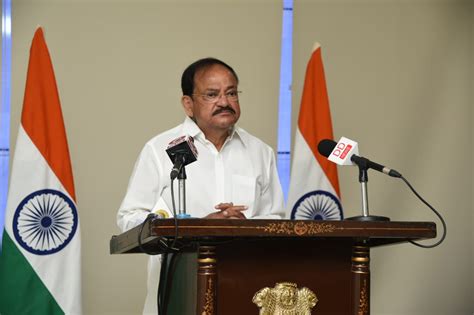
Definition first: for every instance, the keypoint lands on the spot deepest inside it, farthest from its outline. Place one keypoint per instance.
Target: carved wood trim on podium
(232, 260)
(207, 280)
(360, 279)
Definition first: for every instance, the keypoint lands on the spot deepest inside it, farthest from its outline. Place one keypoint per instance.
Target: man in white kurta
(235, 173)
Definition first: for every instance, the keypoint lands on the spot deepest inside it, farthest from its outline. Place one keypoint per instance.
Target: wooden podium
(233, 266)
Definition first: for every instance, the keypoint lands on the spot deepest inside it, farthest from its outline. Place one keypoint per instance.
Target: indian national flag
(40, 267)
(314, 185)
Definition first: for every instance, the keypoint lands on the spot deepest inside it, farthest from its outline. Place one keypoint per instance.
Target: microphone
(181, 152)
(345, 152)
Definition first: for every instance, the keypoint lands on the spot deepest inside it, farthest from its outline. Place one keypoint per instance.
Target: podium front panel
(323, 266)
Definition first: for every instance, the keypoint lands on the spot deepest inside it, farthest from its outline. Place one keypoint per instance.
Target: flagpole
(5, 110)
(284, 103)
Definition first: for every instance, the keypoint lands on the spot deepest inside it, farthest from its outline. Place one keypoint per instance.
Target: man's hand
(227, 210)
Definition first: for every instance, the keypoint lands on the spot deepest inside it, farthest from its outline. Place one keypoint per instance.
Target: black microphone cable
(326, 146)
(176, 221)
(163, 246)
(167, 270)
(166, 281)
(160, 294)
(443, 236)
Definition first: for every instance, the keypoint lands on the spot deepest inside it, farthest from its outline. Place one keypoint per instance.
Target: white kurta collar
(192, 129)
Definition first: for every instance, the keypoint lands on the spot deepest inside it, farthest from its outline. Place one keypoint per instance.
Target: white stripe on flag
(64, 281)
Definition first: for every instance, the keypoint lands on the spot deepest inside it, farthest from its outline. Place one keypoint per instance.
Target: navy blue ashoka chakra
(317, 205)
(45, 222)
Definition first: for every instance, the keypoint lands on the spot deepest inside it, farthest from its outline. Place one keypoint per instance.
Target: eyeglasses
(213, 96)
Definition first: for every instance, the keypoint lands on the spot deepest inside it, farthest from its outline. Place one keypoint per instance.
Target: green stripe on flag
(17, 277)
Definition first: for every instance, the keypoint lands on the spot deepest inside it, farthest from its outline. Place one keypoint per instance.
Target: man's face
(213, 106)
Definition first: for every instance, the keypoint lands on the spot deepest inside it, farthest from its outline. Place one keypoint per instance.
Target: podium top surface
(202, 230)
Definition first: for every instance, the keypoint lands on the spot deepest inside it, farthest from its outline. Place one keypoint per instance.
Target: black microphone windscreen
(326, 146)
(184, 147)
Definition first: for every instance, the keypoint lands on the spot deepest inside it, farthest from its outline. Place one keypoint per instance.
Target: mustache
(224, 109)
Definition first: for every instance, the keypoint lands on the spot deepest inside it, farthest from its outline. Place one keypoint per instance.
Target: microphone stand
(363, 179)
(182, 194)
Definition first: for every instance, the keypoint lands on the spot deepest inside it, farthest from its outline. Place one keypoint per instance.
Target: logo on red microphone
(342, 150)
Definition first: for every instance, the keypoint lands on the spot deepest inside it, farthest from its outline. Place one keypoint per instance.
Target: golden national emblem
(285, 299)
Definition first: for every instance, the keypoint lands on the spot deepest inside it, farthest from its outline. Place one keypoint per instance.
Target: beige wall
(399, 75)
(471, 103)
(399, 80)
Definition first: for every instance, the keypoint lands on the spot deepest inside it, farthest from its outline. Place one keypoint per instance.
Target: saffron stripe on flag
(41, 261)
(314, 186)
(42, 118)
(314, 119)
